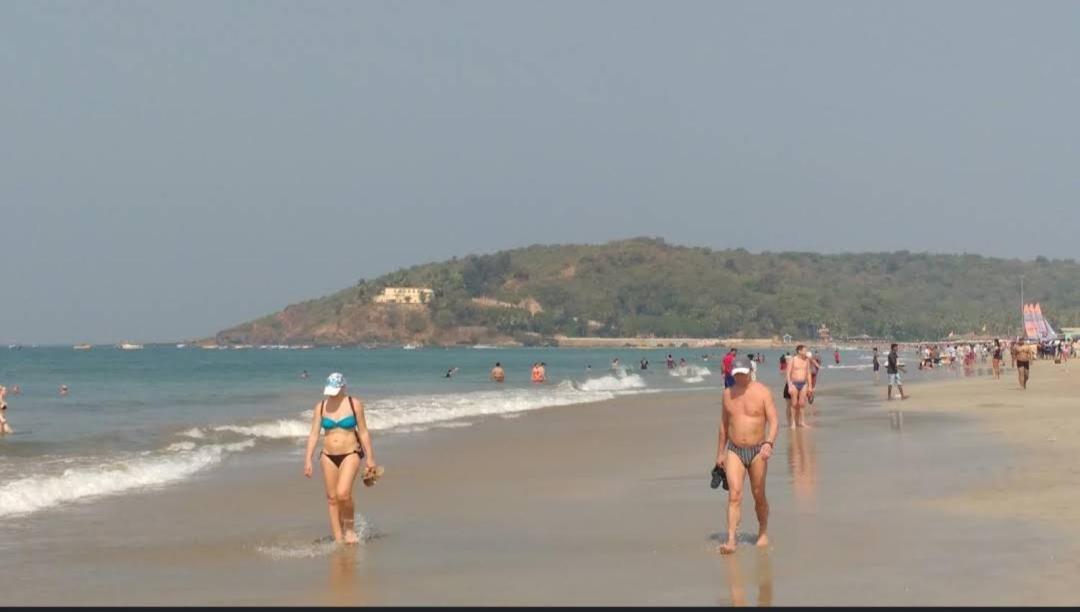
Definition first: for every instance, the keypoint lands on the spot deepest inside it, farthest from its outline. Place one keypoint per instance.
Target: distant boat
(410, 347)
(83, 347)
(181, 345)
(484, 346)
(14, 347)
(127, 346)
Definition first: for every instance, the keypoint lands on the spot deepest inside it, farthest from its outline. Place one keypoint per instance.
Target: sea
(136, 420)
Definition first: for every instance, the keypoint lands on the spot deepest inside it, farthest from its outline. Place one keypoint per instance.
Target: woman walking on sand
(346, 442)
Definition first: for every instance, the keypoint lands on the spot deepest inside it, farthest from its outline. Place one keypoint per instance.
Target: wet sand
(609, 503)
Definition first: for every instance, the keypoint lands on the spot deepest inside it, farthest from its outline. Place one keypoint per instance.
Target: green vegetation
(645, 286)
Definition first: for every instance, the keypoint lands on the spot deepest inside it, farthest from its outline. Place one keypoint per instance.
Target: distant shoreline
(554, 342)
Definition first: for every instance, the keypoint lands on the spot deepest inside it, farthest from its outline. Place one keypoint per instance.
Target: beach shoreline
(600, 503)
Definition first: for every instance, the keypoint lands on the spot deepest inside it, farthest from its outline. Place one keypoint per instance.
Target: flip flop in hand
(372, 474)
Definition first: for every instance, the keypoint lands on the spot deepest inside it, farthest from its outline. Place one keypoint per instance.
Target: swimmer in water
(347, 441)
(63, 390)
(304, 375)
(538, 374)
(497, 373)
(450, 373)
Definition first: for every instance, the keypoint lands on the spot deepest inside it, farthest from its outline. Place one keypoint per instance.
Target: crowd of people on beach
(749, 424)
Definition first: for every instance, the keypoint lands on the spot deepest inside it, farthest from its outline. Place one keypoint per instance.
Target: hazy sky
(168, 169)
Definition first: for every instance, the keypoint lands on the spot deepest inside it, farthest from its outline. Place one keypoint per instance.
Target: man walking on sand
(893, 369)
(799, 384)
(748, 430)
(1025, 354)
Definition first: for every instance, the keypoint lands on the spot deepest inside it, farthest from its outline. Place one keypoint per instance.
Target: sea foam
(413, 412)
(37, 492)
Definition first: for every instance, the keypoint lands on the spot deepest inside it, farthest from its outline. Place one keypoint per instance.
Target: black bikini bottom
(337, 459)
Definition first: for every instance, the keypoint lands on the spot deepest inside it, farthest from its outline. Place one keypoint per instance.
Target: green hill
(645, 286)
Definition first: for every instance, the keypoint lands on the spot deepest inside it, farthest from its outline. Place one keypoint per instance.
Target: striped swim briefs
(746, 455)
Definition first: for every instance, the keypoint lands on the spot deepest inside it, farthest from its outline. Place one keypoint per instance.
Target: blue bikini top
(348, 422)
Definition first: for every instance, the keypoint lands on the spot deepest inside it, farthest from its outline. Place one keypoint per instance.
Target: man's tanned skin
(748, 420)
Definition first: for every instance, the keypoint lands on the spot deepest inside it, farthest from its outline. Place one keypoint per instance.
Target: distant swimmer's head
(335, 383)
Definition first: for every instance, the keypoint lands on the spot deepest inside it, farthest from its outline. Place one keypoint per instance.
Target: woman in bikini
(346, 442)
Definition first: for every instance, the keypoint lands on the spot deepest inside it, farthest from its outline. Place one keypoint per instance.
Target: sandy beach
(963, 494)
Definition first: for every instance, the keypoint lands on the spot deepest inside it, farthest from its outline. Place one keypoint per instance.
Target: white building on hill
(405, 295)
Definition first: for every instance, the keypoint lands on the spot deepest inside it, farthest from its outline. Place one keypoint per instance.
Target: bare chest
(747, 407)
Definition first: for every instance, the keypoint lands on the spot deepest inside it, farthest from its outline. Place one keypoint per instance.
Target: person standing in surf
(748, 430)
(729, 380)
(347, 441)
(4, 427)
(877, 366)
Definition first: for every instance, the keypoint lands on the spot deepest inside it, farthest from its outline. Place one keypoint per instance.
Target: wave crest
(34, 493)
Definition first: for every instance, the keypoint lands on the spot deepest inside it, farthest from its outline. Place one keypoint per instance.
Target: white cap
(334, 383)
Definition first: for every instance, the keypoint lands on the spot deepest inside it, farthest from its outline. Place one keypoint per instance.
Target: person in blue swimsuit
(346, 442)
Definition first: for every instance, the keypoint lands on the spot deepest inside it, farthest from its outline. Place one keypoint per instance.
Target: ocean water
(140, 419)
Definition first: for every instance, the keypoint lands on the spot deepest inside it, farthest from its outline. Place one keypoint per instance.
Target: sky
(172, 168)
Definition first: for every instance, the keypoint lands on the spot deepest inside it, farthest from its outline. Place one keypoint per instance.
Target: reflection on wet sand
(343, 585)
(802, 463)
(763, 575)
(896, 420)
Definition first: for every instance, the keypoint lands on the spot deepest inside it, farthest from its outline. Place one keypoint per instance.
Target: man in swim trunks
(748, 430)
(799, 382)
(497, 373)
(1025, 354)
